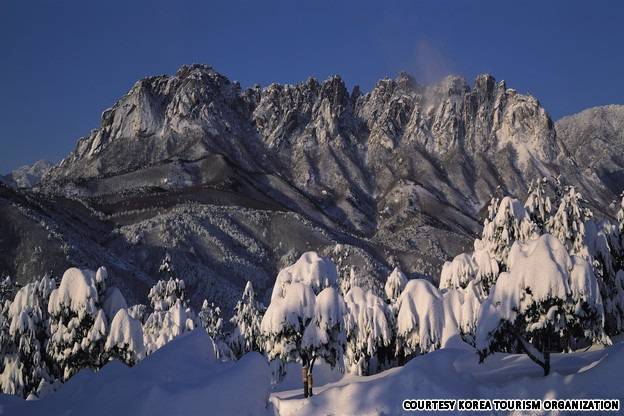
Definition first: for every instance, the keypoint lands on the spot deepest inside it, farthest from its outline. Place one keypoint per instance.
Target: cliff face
(235, 182)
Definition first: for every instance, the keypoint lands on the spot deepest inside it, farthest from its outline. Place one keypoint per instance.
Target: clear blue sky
(63, 62)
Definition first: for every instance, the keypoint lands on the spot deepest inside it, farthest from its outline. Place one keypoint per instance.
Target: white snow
(544, 267)
(182, 378)
(126, 333)
(420, 321)
(457, 374)
(113, 302)
(459, 272)
(368, 326)
(311, 269)
(395, 284)
(76, 292)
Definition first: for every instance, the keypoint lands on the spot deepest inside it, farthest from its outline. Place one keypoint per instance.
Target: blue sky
(64, 62)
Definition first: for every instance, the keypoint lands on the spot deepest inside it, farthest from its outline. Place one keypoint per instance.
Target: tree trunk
(310, 384)
(310, 379)
(304, 375)
(546, 363)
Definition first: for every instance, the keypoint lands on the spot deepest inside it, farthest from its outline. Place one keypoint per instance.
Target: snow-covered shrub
(369, 328)
(248, 313)
(548, 301)
(78, 325)
(125, 339)
(395, 283)
(420, 320)
(23, 339)
(311, 269)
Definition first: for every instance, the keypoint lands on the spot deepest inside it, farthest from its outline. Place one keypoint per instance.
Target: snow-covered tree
(567, 224)
(311, 269)
(210, 318)
(248, 313)
(459, 272)
(510, 223)
(284, 324)
(395, 283)
(125, 339)
(324, 337)
(78, 325)
(7, 289)
(23, 340)
(369, 328)
(420, 321)
(538, 204)
(461, 309)
(170, 315)
(549, 301)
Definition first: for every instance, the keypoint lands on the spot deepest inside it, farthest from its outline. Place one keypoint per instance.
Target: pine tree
(369, 323)
(538, 204)
(420, 320)
(324, 337)
(395, 283)
(568, 223)
(125, 340)
(547, 302)
(505, 224)
(210, 319)
(23, 339)
(78, 326)
(246, 335)
(170, 314)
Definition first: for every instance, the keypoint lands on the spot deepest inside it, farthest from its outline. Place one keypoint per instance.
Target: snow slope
(457, 374)
(182, 378)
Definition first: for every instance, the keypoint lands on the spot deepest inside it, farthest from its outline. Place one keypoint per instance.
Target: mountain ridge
(234, 183)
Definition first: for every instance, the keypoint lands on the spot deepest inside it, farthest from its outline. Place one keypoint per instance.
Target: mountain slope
(235, 183)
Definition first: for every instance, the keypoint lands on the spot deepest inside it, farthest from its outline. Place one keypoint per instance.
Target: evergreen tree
(125, 340)
(78, 326)
(395, 283)
(170, 314)
(369, 323)
(538, 205)
(24, 333)
(568, 222)
(420, 319)
(547, 302)
(246, 335)
(324, 337)
(505, 224)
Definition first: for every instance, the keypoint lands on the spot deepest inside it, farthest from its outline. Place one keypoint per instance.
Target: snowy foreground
(184, 378)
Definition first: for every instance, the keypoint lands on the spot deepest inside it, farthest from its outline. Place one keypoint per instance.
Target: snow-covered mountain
(234, 183)
(28, 176)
